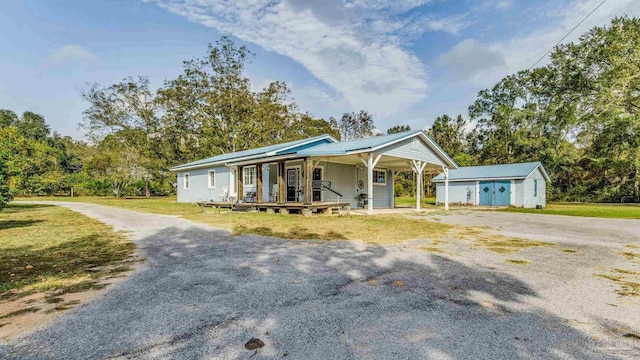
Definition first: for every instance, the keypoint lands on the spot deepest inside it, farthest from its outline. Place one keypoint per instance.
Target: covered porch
(326, 184)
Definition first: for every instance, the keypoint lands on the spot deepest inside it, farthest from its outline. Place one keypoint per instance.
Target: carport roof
(503, 171)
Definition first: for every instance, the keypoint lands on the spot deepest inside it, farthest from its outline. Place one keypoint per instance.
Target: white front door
(232, 182)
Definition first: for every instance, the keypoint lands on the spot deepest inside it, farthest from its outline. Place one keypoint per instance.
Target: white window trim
(186, 184)
(244, 178)
(385, 177)
(211, 175)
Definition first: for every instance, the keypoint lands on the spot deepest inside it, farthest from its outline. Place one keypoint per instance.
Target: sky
(404, 61)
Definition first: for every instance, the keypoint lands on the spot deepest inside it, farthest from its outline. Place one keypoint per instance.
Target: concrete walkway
(203, 293)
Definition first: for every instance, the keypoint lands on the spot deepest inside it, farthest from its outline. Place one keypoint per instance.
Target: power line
(567, 34)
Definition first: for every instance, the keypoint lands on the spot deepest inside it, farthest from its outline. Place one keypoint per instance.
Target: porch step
(244, 208)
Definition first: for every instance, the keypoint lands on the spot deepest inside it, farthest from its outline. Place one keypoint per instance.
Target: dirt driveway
(203, 293)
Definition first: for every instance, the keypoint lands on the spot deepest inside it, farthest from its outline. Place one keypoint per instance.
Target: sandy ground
(203, 293)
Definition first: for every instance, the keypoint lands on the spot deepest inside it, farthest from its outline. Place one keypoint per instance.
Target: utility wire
(567, 34)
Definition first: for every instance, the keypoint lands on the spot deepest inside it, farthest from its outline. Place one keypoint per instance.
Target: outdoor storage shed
(521, 185)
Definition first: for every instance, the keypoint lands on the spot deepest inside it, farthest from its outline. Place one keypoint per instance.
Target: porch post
(446, 187)
(240, 181)
(258, 183)
(281, 185)
(370, 184)
(308, 178)
(418, 187)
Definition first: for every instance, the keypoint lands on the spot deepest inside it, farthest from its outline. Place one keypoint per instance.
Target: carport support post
(418, 167)
(370, 163)
(308, 181)
(446, 187)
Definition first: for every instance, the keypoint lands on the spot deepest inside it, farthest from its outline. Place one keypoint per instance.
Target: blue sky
(404, 61)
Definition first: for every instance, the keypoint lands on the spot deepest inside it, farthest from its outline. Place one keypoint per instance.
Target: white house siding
(528, 198)
(199, 189)
(344, 179)
(413, 150)
(462, 192)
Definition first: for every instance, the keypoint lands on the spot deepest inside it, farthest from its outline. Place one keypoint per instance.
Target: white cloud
(356, 47)
(71, 52)
(470, 60)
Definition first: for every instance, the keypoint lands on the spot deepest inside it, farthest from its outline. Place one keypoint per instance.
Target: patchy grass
(410, 201)
(628, 285)
(630, 255)
(569, 250)
(48, 247)
(614, 211)
(499, 243)
(378, 229)
(20, 312)
(519, 262)
(434, 249)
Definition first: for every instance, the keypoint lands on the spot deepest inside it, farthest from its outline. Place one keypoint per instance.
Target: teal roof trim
(503, 171)
(253, 152)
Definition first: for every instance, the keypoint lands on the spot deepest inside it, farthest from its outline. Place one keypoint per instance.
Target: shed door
(495, 193)
(486, 193)
(502, 193)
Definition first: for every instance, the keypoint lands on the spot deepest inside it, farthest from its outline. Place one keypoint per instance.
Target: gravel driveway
(203, 293)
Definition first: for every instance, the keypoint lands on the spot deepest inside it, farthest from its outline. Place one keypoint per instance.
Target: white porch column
(418, 167)
(370, 184)
(370, 163)
(446, 187)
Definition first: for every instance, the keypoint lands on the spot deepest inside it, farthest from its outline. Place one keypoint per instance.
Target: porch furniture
(273, 196)
(225, 194)
(250, 197)
(362, 200)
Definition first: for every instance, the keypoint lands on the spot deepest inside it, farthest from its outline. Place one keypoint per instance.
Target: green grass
(519, 262)
(48, 247)
(378, 229)
(411, 201)
(613, 211)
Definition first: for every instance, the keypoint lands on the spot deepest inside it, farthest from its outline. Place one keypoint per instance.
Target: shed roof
(503, 171)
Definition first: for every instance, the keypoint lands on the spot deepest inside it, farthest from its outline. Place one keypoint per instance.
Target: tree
(398, 129)
(4, 179)
(7, 118)
(128, 109)
(356, 125)
(450, 134)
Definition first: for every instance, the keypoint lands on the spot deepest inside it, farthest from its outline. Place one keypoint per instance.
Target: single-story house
(317, 170)
(521, 185)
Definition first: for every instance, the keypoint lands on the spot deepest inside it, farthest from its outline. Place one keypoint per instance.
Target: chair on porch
(250, 197)
(225, 194)
(273, 196)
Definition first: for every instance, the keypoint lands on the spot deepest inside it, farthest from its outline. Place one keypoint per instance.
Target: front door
(292, 184)
(317, 188)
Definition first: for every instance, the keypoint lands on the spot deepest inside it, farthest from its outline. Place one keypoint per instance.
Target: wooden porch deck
(323, 207)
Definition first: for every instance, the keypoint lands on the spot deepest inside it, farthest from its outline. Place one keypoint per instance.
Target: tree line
(578, 115)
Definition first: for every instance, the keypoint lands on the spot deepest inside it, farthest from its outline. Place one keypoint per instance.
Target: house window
(249, 176)
(212, 179)
(186, 181)
(535, 187)
(379, 177)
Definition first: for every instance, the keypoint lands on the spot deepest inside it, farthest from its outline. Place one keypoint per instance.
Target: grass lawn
(411, 201)
(617, 211)
(379, 229)
(47, 247)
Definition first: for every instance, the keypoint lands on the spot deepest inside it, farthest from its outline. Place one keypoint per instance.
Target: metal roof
(372, 144)
(503, 171)
(262, 151)
(306, 147)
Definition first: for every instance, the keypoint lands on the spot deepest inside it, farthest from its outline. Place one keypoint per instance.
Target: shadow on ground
(204, 294)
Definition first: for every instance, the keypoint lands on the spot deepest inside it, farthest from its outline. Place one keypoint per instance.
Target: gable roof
(503, 171)
(373, 144)
(278, 149)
